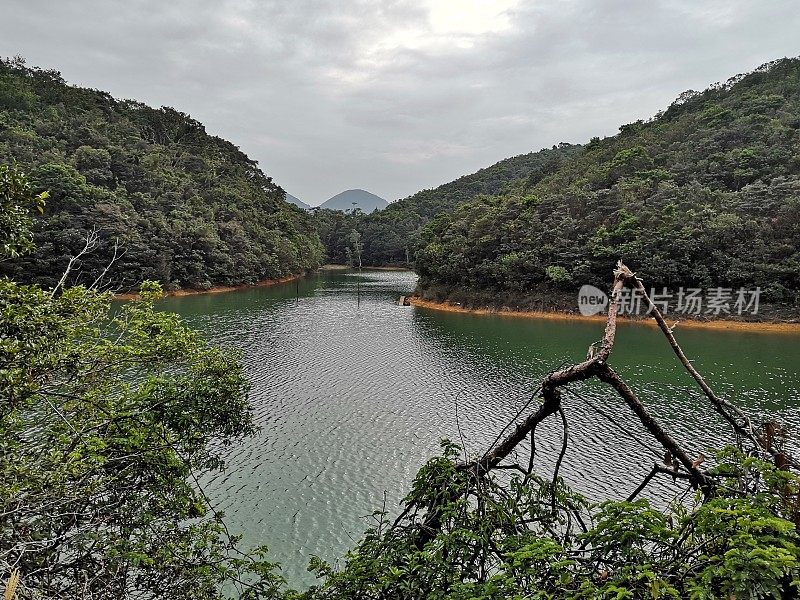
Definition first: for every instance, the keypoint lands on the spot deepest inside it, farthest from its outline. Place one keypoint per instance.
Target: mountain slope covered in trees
(391, 235)
(705, 194)
(112, 418)
(188, 209)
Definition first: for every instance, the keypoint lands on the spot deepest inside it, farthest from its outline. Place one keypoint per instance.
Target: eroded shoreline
(217, 289)
(717, 324)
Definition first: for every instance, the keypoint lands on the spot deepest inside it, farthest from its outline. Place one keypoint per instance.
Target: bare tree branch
(92, 241)
(596, 365)
(720, 405)
(117, 255)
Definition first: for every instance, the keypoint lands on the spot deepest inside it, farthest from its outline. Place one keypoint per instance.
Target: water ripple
(352, 396)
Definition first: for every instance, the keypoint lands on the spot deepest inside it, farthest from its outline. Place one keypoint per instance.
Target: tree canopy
(391, 236)
(108, 419)
(707, 193)
(188, 209)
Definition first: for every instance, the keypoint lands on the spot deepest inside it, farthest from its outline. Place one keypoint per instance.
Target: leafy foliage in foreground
(520, 537)
(188, 208)
(705, 194)
(106, 424)
(15, 221)
(107, 420)
(391, 236)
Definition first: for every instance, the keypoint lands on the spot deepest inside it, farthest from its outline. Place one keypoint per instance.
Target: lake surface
(353, 397)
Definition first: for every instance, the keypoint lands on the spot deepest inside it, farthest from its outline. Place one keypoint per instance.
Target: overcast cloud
(399, 95)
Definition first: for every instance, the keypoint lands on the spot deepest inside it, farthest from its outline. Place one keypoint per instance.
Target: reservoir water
(353, 396)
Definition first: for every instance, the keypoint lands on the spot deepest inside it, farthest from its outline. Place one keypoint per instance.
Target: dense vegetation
(109, 419)
(523, 537)
(188, 209)
(391, 236)
(108, 422)
(705, 194)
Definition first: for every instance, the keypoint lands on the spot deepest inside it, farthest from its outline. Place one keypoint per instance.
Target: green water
(353, 397)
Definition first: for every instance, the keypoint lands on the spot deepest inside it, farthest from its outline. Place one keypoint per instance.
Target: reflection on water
(353, 399)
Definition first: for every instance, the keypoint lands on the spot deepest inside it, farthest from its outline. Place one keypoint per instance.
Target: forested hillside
(188, 209)
(113, 416)
(391, 236)
(706, 193)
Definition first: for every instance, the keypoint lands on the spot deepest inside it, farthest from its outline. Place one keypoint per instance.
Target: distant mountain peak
(297, 202)
(356, 198)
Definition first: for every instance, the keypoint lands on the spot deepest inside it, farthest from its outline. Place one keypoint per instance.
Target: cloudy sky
(399, 95)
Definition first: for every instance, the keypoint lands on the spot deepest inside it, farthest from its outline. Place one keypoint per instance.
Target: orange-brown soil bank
(719, 324)
(214, 290)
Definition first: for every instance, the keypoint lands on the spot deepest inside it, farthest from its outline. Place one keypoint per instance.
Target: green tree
(16, 237)
(187, 209)
(703, 194)
(107, 418)
(393, 235)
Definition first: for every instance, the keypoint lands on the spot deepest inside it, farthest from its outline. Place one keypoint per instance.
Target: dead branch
(720, 405)
(564, 442)
(698, 479)
(553, 381)
(117, 255)
(91, 242)
(596, 365)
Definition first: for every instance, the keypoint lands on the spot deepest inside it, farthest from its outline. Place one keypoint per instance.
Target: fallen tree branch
(611, 377)
(596, 365)
(721, 406)
(553, 381)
